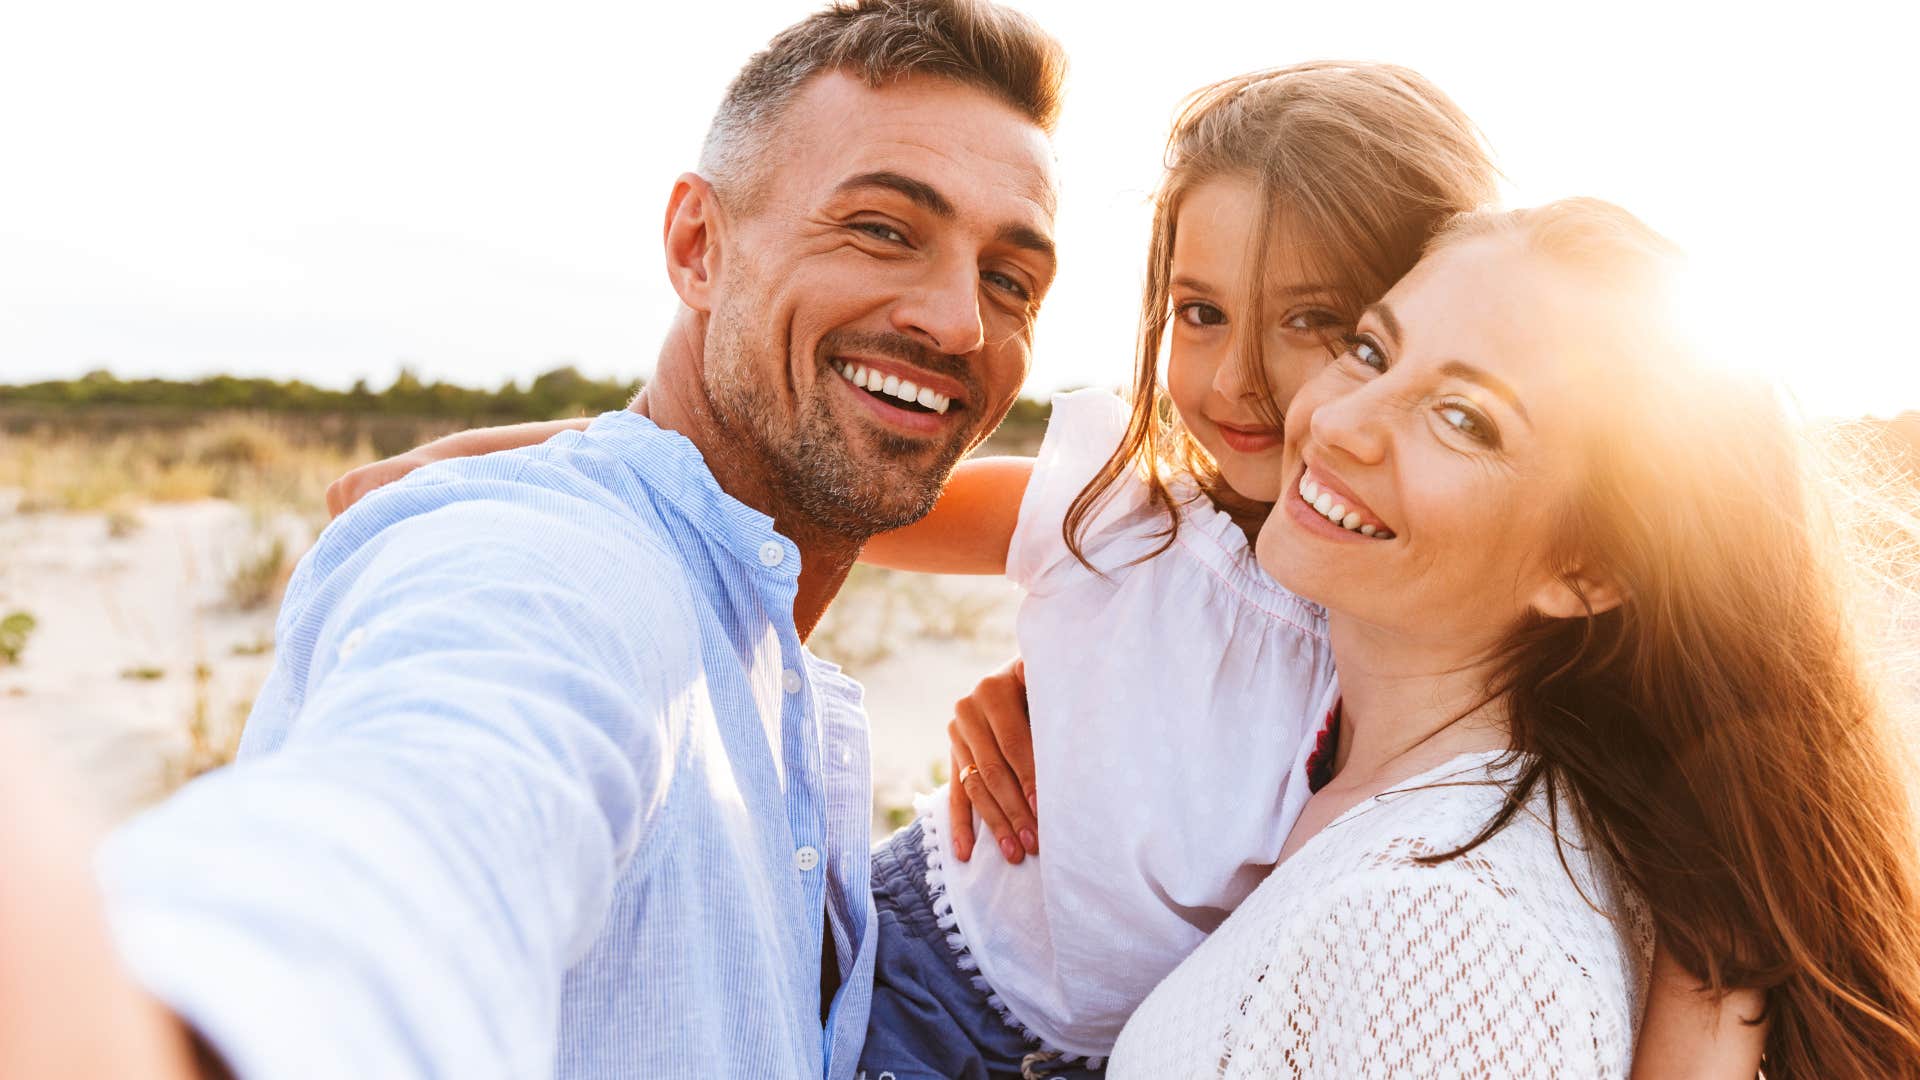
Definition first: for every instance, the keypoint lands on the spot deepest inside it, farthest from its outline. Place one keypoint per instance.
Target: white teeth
(1322, 502)
(894, 386)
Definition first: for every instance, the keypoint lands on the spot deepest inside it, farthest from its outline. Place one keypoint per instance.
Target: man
(544, 780)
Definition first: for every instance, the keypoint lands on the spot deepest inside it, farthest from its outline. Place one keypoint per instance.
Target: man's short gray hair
(971, 42)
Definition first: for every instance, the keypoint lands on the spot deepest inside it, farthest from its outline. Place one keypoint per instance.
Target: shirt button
(806, 858)
(790, 681)
(351, 643)
(772, 554)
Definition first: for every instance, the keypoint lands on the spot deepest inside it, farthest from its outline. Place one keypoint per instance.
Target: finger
(960, 811)
(334, 496)
(1004, 701)
(987, 799)
(1002, 710)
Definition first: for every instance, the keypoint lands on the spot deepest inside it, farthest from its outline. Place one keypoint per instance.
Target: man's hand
(68, 1009)
(993, 766)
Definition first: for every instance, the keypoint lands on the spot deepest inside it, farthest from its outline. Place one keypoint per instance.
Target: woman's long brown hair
(1364, 161)
(1719, 732)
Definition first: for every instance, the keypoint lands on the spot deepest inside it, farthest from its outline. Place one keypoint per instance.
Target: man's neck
(675, 401)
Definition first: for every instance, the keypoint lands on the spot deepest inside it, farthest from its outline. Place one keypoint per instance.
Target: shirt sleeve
(1084, 429)
(399, 889)
(1421, 974)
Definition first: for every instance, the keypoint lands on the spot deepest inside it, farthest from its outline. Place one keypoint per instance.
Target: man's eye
(880, 232)
(1009, 283)
(1367, 351)
(1200, 313)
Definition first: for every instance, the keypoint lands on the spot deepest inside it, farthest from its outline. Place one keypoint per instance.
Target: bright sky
(474, 189)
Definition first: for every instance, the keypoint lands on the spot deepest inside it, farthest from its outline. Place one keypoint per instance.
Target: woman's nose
(1355, 423)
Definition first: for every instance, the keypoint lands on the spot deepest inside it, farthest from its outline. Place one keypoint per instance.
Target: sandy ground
(137, 636)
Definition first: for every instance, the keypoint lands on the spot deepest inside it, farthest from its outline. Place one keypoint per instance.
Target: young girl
(1176, 687)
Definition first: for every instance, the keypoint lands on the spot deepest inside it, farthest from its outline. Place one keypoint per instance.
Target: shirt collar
(673, 468)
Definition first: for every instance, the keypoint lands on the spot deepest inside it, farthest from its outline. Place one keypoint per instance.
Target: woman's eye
(880, 232)
(1363, 348)
(1201, 313)
(1469, 423)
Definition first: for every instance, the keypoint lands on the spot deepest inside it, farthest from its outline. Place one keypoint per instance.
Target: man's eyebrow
(922, 194)
(1460, 369)
(1031, 239)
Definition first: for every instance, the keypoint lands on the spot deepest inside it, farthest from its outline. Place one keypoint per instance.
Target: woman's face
(1446, 439)
(1217, 403)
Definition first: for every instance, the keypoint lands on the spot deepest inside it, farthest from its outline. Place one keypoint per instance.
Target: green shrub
(15, 629)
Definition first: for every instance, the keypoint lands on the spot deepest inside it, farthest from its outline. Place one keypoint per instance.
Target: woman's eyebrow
(1381, 311)
(1188, 281)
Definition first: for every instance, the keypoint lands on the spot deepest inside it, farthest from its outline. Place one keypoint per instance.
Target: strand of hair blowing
(1718, 732)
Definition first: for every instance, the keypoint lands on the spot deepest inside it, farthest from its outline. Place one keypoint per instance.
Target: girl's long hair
(1720, 732)
(1364, 161)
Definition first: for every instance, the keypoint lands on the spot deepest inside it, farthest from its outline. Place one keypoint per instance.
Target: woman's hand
(993, 765)
(354, 486)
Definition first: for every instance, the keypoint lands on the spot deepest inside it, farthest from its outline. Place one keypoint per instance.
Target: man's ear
(691, 236)
(1575, 594)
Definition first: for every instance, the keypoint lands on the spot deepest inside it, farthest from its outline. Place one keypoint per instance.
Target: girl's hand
(993, 766)
(355, 485)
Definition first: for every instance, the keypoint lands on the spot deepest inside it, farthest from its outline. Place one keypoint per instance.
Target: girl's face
(1446, 438)
(1215, 400)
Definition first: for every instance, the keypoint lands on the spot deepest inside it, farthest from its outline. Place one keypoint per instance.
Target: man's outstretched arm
(399, 888)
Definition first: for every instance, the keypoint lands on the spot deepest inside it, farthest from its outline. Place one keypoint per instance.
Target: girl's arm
(352, 487)
(1688, 1034)
(970, 528)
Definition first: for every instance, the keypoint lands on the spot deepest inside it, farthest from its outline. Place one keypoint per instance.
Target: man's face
(872, 313)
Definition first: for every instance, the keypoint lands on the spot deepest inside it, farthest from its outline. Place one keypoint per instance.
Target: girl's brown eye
(1201, 313)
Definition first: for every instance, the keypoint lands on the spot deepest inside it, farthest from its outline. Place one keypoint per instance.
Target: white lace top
(1353, 960)
(1173, 701)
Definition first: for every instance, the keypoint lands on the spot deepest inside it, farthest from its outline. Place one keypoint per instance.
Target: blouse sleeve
(1084, 430)
(1427, 973)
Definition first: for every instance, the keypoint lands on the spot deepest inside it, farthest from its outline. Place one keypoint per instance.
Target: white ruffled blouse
(1174, 702)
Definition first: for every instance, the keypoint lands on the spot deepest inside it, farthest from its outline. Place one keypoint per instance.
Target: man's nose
(944, 311)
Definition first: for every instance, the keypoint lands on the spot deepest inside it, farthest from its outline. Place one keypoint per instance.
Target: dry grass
(263, 463)
(211, 743)
(260, 574)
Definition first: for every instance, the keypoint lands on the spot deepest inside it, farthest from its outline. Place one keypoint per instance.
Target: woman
(1598, 685)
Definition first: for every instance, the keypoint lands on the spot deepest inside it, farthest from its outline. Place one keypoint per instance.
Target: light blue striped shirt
(543, 783)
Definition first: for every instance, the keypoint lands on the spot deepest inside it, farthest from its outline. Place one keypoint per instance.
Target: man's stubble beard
(814, 468)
